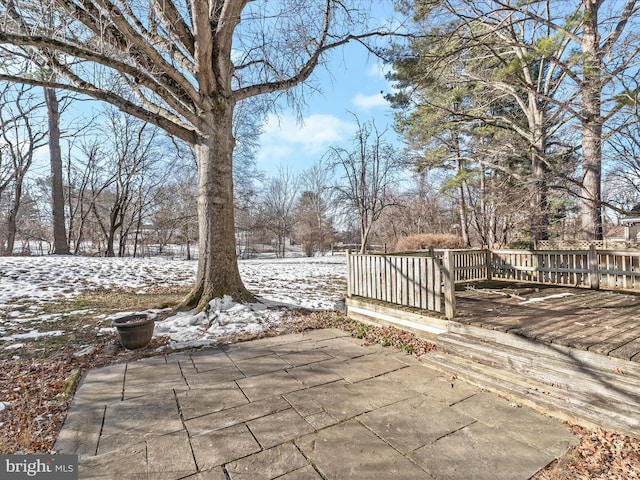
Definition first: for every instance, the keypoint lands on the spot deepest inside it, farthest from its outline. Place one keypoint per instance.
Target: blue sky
(350, 83)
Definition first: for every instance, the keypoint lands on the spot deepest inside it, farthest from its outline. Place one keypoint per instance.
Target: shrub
(426, 240)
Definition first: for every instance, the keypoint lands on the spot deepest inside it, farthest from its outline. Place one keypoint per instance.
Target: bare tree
(367, 176)
(132, 154)
(187, 65)
(313, 222)
(87, 178)
(279, 199)
(21, 134)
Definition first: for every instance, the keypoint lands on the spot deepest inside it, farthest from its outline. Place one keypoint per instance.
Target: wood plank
(437, 286)
(359, 280)
(377, 284)
(601, 333)
(542, 323)
(615, 342)
(628, 350)
(394, 279)
(571, 326)
(431, 284)
(411, 282)
(424, 285)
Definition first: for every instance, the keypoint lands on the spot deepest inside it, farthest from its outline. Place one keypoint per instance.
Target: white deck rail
(414, 281)
(426, 280)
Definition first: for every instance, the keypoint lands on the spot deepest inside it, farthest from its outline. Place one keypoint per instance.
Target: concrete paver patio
(319, 405)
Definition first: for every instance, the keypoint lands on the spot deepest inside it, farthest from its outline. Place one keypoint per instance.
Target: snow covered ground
(315, 283)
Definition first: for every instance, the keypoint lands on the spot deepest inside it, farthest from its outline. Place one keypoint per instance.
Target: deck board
(601, 331)
(603, 322)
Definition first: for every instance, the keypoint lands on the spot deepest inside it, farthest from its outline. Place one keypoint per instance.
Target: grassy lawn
(84, 319)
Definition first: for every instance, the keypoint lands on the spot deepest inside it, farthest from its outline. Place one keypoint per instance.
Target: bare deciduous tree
(21, 133)
(314, 225)
(279, 199)
(184, 67)
(367, 176)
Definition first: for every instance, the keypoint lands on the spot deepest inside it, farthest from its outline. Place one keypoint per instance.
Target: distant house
(631, 224)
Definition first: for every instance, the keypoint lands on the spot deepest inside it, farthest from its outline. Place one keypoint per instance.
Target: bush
(426, 240)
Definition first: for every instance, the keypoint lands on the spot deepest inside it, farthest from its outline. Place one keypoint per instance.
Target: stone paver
(415, 422)
(216, 448)
(268, 464)
(369, 457)
(523, 424)
(317, 405)
(236, 415)
(480, 452)
(279, 427)
(202, 401)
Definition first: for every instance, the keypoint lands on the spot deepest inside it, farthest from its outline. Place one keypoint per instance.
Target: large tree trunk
(218, 272)
(60, 244)
(539, 203)
(590, 191)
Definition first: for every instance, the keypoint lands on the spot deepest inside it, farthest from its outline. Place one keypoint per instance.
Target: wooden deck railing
(413, 281)
(426, 280)
(554, 267)
(603, 269)
(468, 265)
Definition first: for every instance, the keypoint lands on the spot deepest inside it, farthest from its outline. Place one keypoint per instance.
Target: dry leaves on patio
(599, 456)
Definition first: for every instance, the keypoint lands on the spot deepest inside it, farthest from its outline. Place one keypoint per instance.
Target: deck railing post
(349, 270)
(449, 285)
(487, 259)
(594, 278)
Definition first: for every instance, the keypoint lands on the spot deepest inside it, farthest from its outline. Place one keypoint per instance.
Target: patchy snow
(548, 297)
(224, 318)
(26, 283)
(32, 335)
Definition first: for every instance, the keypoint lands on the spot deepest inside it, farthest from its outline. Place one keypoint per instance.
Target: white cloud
(283, 137)
(367, 102)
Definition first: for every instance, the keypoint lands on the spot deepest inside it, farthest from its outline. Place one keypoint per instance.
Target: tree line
(529, 107)
(130, 190)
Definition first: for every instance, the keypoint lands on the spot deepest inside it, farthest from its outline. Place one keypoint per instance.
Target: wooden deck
(606, 323)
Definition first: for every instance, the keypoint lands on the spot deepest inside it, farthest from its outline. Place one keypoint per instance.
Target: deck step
(564, 371)
(585, 393)
(587, 358)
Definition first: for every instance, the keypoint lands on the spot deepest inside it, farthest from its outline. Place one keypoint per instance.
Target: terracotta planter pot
(135, 331)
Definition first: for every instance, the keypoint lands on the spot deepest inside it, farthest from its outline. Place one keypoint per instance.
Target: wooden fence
(606, 244)
(597, 269)
(554, 267)
(426, 280)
